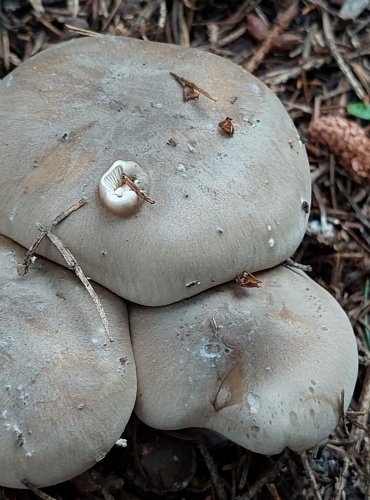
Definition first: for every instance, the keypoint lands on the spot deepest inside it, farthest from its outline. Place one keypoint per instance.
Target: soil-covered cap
(199, 190)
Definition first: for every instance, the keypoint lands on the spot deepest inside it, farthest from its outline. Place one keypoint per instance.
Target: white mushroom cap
(117, 197)
(223, 204)
(265, 367)
(66, 392)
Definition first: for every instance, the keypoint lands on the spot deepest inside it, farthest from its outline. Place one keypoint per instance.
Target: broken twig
(141, 194)
(81, 31)
(74, 266)
(183, 81)
(291, 264)
(22, 268)
(212, 467)
(311, 475)
(346, 70)
(36, 491)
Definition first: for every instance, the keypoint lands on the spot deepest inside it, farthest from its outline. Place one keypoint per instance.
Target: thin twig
(311, 475)
(364, 408)
(115, 8)
(22, 268)
(342, 479)
(208, 460)
(74, 266)
(131, 184)
(245, 464)
(359, 215)
(268, 477)
(63, 215)
(323, 214)
(81, 31)
(36, 491)
(353, 235)
(343, 66)
(290, 263)
(282, 75)
(183, 81)
(273, 491)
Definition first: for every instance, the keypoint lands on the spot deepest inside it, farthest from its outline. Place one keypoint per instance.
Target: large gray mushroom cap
(66, 392)
(223, 204)
(264, 367)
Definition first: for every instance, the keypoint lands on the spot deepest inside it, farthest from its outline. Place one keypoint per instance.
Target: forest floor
(314, 54)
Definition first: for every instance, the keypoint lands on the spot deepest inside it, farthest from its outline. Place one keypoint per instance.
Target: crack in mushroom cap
(66, 392)
(264, 367)
(223, 205)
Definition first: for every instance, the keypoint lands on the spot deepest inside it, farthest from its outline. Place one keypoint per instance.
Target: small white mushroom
(117, 195)
(265, 367)
(66, 392)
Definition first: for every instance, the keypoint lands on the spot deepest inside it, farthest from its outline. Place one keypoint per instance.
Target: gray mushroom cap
(264, 367)
(66, 392)
(223, 204)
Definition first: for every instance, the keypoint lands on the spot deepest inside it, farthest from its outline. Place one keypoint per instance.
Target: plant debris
(227, 126)
(76, 268)
(191, 90)
(22, 268)
(247, 280)
(141, 194)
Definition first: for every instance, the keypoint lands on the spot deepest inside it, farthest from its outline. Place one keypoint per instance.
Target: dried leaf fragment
(190, 94)
(184, 82)
(247, 280)
(347, 140)
(227, 126)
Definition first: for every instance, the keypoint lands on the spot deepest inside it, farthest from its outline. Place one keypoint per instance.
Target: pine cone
(347, 140)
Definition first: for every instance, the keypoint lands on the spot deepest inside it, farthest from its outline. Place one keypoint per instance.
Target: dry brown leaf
(227, 126)
(193, 86)
(247, 280)
(190, 94)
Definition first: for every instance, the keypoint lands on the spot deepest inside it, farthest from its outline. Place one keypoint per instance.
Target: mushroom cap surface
(223, 205)
(265, 367)
(66, 392)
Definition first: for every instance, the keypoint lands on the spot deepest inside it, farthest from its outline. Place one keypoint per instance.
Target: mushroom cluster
(180, 200)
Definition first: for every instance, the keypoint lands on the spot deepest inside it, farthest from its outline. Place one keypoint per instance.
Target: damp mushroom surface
(66, 391)
(268, 368)
(182, 206)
